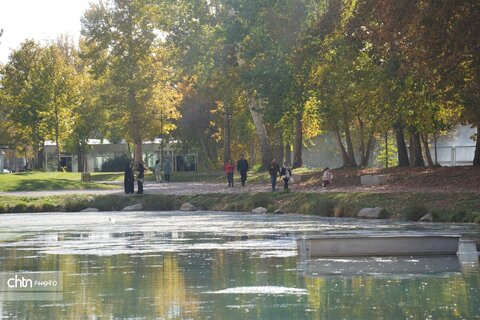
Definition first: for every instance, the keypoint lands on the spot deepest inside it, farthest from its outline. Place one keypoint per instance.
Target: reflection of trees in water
(173, 297)
(365, 297)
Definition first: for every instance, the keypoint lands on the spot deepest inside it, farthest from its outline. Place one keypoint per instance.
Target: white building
(103, 150)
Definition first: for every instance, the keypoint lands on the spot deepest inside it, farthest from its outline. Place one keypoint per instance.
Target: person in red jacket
(229, 169)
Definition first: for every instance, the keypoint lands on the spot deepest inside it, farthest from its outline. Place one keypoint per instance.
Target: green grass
(40, 181)
(443, 207)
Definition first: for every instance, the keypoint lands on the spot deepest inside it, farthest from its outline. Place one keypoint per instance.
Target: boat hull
(377, 245)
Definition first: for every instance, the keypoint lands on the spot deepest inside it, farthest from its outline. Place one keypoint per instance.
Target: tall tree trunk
(209, 158)
(343, 152)
(256, 110)
(227, 155)
(411, 147)
(253, 159)
(368, 151)
(426, 147)
(80, 159)
(57, 142)
(362, 141)
(37, 149)
(348, 140)
(138, 151)
(298, 144)
(135, 127)
(39, 158)
(398, 128)
(476, 158)
(288, 153)
(278, 144)
(416, 148)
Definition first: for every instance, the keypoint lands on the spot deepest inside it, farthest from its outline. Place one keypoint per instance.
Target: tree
(22, 87)
(120, 37)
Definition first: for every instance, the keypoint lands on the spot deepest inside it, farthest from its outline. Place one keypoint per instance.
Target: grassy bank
(41, 181)
(410, 206)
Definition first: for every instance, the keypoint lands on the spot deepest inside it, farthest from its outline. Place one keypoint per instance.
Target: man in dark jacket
(242, 167)
(273, 170)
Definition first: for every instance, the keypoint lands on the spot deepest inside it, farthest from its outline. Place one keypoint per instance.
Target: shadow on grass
(54, 184)
(108, 176)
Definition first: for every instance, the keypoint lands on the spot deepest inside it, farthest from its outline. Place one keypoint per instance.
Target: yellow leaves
(311, 119)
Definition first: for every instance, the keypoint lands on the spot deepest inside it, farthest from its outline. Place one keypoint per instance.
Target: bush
(385, 214)
(414, 212)
(320, 207)
(115, 164)
(257, 168)
(258, 200)
(456, 216)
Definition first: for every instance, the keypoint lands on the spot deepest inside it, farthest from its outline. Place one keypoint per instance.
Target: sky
(41, 20)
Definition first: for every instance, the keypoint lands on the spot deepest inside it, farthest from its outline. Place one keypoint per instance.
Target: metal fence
(454, 155)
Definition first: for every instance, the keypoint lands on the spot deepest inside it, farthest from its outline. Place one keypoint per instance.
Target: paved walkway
(190, 188)
(173, 188)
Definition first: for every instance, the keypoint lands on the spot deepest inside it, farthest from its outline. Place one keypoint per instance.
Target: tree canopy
(255, 77)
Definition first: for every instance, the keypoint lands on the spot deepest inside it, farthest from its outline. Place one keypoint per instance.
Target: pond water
(211, 265)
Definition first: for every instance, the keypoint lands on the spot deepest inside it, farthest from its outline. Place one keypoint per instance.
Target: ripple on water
(266, 290)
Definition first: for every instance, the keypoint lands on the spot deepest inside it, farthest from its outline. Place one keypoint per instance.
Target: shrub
(158, 202)
(258, 200)
(319, 206)
(257, 168)
(414, 212)
(385, 214)
(115, 164)
(455, 216)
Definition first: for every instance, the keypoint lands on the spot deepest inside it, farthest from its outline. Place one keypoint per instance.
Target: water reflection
(222, 266)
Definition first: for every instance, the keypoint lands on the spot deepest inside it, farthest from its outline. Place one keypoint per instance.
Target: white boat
(380, 244)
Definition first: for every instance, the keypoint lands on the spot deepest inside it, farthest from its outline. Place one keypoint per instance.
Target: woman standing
(128, 180)
(286, 173)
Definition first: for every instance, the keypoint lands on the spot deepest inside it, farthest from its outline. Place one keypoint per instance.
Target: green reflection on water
(179, 285)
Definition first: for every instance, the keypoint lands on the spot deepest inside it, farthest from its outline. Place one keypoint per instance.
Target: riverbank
(444, 207)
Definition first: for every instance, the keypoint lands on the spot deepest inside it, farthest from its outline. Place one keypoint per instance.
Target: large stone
(426, 218)
(259, 210)
(370, 213)
(278, 211)
(135, 207)
(188, 207)
(296, 178)
(373, 180)
(90, 210)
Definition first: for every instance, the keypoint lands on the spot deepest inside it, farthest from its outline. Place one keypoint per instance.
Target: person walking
(273, 170)
(140, 177)
(242, 167)
(167, 170)
(157, 170)
(285, 173)
(230, 169)
(128, 179)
